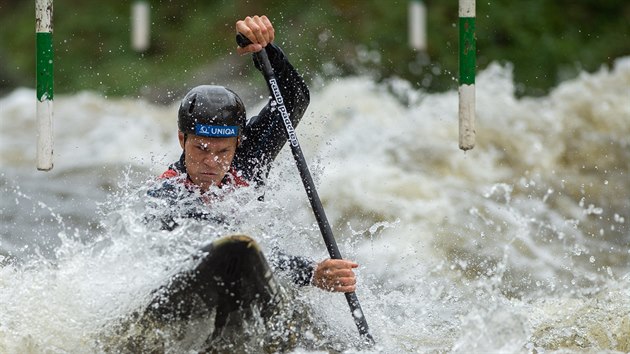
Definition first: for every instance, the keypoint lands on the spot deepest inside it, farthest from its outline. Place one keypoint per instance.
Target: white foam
(481, 250)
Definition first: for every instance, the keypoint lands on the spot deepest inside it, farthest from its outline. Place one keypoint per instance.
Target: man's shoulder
(167, 184)
(170, 173)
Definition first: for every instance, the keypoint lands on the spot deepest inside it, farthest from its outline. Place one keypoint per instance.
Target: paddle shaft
(309, 185)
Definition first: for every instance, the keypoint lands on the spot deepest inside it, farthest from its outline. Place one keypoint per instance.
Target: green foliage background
(547, 41)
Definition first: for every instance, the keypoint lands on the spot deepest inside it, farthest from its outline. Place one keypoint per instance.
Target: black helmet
(212, 111)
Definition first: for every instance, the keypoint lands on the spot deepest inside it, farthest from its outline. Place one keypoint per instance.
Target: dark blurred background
(192, 42)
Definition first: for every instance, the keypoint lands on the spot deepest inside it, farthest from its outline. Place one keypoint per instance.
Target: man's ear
(182, 140)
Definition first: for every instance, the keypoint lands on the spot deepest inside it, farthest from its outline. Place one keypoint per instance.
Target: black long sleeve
(299, 269)
(265, 134)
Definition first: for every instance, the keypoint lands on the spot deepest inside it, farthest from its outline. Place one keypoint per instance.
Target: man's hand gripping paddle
(309, 185)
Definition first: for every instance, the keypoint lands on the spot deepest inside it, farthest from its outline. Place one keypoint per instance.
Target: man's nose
(211, 160)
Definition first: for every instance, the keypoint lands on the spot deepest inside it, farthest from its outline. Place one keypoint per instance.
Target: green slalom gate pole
(467, 64)
(44, 63)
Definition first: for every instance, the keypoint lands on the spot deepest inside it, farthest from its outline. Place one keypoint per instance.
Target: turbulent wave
(519, 245)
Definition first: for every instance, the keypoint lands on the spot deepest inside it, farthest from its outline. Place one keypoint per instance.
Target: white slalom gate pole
(467, 63)
(140, 25)
(417, 25)
(44, 63)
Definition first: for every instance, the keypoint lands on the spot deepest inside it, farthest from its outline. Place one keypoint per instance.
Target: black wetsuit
(262, 139)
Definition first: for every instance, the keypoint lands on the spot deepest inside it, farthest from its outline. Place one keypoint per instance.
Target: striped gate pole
(467, 63)
(44, 63)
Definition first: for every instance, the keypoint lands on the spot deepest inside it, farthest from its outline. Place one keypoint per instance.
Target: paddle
(309, 185)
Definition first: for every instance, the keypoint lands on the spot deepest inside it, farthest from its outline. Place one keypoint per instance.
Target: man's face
(207, 159)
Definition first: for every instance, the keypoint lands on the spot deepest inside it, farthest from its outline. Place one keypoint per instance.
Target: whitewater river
(520, 245)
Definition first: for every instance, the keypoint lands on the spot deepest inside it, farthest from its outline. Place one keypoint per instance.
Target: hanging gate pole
(140, 25)
(417, 25)
(44, 63)
(467, 62)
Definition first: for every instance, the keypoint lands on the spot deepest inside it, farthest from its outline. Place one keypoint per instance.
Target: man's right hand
(258, 30)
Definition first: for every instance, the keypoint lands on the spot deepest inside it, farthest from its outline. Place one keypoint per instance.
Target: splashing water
(520, 245)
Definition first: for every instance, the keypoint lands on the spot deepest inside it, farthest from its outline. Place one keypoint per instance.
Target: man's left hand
(335, 275)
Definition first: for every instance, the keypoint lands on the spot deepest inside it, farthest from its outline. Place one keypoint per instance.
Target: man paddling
(222, 150)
